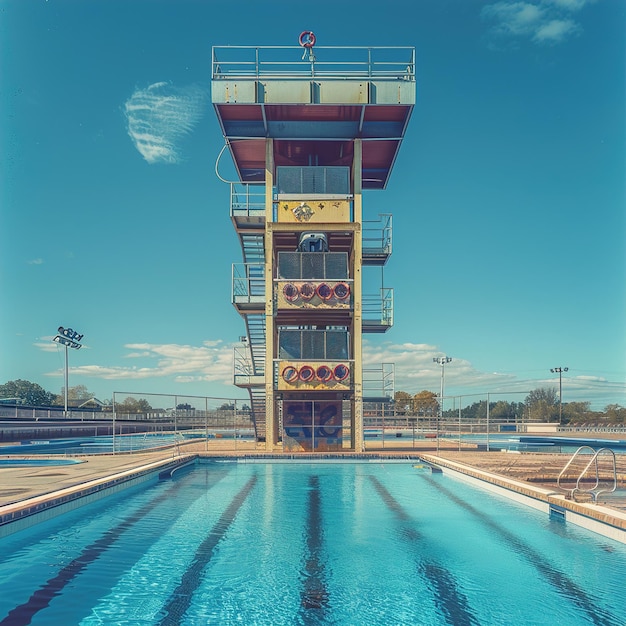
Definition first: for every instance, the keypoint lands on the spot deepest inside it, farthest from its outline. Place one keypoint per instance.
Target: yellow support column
(271, 434)
(357, 325)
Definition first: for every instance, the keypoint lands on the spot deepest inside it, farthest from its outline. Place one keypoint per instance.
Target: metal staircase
(255, 325)
(253, 247)
(248, 215)
(257, 398)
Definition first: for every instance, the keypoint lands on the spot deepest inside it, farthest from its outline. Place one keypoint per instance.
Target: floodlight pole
(68, 338)
(559, 371)
(442, 360)
(113, 434)
(67, 377)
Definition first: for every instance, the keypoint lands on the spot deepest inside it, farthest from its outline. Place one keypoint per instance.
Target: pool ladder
(591, 469)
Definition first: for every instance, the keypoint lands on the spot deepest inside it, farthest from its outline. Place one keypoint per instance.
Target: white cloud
(555, 31)
(159, 116)
(415, 369)
(514, 18)
(46, 344)
(569, 5)
(35, 262)
(212, 361)
(541, 21)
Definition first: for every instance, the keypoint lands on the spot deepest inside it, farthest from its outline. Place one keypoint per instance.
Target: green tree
(475, 411)
(479, 410)
(542, 405)
(75, 395)
(576, 412)
(403, 402)
(27, 393)
(426, 403)
(132, 405)
(615, 413)
(503, 410)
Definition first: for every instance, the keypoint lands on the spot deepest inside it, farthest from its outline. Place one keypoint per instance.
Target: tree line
(541, 405)
(31, 394)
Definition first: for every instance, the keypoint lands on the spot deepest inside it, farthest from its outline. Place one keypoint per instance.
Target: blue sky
(508, 196)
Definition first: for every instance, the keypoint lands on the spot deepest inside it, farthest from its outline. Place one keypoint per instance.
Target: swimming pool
(102, 444)
(318, 543)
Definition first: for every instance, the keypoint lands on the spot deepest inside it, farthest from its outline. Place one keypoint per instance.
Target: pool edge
(17, 516)
(601, 520)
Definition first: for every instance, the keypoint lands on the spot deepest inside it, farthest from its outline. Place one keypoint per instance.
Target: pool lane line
(314, 593)
(181, 597)
(452, 602)
(40, 599)
(560, 580)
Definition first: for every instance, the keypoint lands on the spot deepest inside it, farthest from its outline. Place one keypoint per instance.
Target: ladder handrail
(558, 480)
(594, 491)
(594, 460)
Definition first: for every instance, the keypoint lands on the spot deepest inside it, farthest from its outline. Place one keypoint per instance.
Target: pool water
(533, 443)
(36, 462)
(334, 543)
(102, 444)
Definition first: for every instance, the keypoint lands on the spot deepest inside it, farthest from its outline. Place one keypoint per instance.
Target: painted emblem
(303, 212)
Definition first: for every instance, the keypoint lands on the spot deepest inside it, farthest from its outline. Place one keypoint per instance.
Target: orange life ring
(307, 39)
(307, 291)
(341, 291)
(290, 291)
(341, 372)
(307, 373)
(290, 374)
(324, 291)
(324, 373)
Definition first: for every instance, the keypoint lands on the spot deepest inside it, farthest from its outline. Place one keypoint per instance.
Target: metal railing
(37, 413)
(377, 239)
(247, 200)
(378, 308)
(244, 372)
(591, 473)
(248, 283)
(285, 62)
(379, 382)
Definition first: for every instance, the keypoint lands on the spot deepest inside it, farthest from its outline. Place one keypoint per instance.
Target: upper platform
(314, 102)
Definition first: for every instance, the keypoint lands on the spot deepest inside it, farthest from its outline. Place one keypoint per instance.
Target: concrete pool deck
(28, 490)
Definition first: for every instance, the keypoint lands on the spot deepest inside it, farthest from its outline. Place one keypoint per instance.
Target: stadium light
(559, 371)
(442, 360)
(70, 339)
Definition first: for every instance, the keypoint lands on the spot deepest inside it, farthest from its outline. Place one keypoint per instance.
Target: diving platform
(313, 103)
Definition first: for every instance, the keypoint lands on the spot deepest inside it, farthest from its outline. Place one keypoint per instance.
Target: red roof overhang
(320, 134)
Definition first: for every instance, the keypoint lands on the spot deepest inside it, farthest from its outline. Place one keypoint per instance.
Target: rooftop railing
(328, 62)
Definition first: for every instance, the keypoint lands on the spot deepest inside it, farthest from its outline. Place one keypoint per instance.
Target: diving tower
(309, 128)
